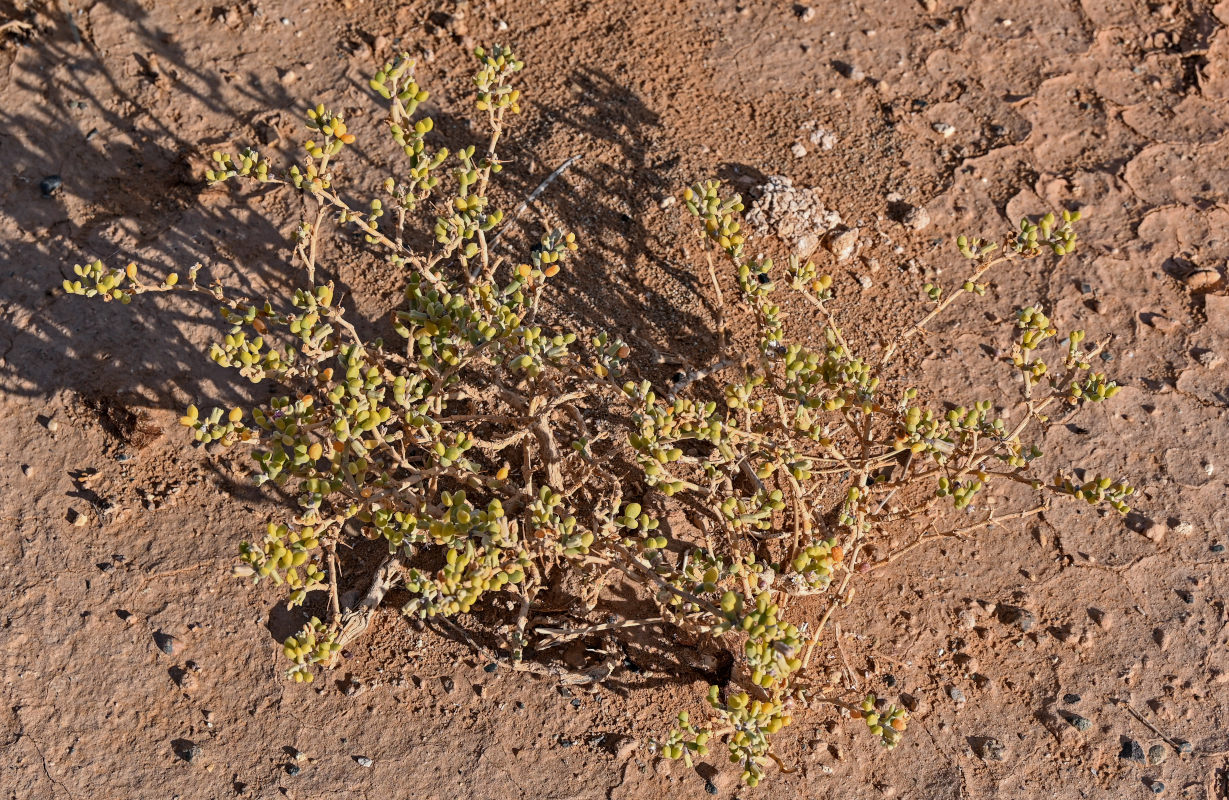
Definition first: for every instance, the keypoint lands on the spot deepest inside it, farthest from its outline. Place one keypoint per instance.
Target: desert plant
(494, 449)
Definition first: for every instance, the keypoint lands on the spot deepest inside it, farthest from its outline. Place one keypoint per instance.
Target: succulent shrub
(492, 450)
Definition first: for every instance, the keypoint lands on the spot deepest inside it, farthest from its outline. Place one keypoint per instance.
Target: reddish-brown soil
(976, 111)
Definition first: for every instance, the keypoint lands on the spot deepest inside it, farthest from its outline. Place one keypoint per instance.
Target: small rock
(1157, 787)
(1201, 280)
(989, 749)
(805, 14)
(168, 643)
(943, 129)
(841, 243)
(1022, 618)
(667, 201)
(1071, 699)
(293, 769)
(188, 751)
(27, 470)
(186, 680)
(1132, 751)
(77, 519)
(795, 215)
(916, 218)
(852, 71)
(447, 683)
(967, 620)
(957, 695)
(709, 786)
(1157, 754)
(363, 761)
(865, 282)
(50, 185)
(1184, 747)
(823, 138)
(799, 150)
(807, 243)
(1078, 722)
(1184, 528)
(53, 425)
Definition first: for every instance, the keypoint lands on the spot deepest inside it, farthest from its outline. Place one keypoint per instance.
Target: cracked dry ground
(978, 112)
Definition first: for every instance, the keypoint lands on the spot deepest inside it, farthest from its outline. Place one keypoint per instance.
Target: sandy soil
(1035, 655)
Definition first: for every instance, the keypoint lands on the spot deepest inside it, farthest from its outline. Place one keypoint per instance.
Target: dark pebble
(1157, 754)
(565, 743)
(575, 702)
(1071, 699)
(167, 643)
(491, 667)
(50, 185)
(1184, 747)
(1078, 722)
(1132, 751)
(889, 680)
(1218, 548)
(293, 769)
(1186, 596)
(710, 787)
(1157, 787)
(188, 751)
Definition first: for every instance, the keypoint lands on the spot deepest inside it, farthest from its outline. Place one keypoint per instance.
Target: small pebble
(1217, 548)
(1202, 279)
(1078, 722)
(168, 643)
(1071, 699)
(447, 683)
(1022, 618)
(53, 425)
(27, 470)
(1157, 754)
(50, 185)
(943, 129)
(991, 749)
(1132, 751)
(1185, 747)
(709, 786)
(189, 751)
(841, 243)
(957, 694)
(916, 218)
(1157, 787)
(798, 149)
(363, 761)
(491, 667)
(293, 769)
